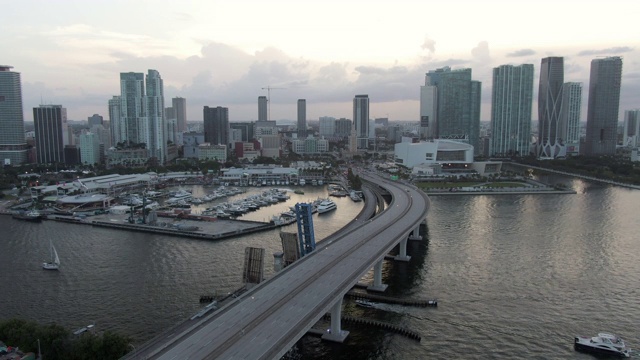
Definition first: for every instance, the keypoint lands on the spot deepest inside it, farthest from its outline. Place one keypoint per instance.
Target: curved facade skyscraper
(550, 144)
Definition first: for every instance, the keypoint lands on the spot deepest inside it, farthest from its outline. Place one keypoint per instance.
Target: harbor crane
(269, 88)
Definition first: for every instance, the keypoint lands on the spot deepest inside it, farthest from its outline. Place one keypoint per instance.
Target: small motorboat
(604, 343)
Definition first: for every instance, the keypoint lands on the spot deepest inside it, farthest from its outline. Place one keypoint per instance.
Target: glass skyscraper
(361, 120)
(156, 134)
(511, 103)
(569, 130)
(216, 125)
(550, 145)
(302, 118)
(604, 104)
(50, 122)
(457, 102)
(13, 146)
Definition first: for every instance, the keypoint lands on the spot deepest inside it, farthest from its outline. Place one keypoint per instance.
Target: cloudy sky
(224, 53)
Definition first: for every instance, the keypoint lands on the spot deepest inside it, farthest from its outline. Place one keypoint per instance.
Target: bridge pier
(377, 278)
(402, 256)
(335, 333)
(415, 234)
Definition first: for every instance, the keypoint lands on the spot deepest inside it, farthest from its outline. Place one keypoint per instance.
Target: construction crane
(269, 88)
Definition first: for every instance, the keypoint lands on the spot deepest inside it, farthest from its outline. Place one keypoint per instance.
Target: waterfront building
(310, 145)
(570, 117)
(603, 106)
(302, 118)
(631, 128)
(216, 125)
(511, 102)
(361, 120)
(410, 154)
(456, 98)
(217, 152)
(257, 174)
(51, 130)
(116, 123)
(132, 118)
(13, 146)
(262, 108)
(550, 144)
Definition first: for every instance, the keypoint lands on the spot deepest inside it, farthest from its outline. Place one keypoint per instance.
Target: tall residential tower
(550, 144)
(50, 122)
(13, 146)
(361, 120)
(511, 102)
(302, 118)
(604, 103)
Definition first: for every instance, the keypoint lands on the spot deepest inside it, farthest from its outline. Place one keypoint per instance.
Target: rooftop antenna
(269, 88)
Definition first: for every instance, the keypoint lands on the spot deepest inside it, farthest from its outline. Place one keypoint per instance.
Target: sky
(226, 53)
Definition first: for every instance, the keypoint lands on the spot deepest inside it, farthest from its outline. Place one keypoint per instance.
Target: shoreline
(500, 192)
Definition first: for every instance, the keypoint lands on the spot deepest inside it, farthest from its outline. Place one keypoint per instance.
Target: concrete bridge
(265, 322)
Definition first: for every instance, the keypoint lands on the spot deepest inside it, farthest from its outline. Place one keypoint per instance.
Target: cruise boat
(32, 215)
(326, 206)
(604, 343)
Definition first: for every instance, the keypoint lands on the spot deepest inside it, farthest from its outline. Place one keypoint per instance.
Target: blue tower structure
(306, 235)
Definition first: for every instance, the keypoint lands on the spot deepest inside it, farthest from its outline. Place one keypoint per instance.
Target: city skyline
(69, 54)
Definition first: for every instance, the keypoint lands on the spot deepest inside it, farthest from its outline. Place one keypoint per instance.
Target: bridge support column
(415, 234)
(377, 278)
(335, 333)
(402, 256)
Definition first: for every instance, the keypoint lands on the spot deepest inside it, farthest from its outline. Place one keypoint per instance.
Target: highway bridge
(265, 322)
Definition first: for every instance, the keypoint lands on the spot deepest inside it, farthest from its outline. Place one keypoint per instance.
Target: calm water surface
(516, 276)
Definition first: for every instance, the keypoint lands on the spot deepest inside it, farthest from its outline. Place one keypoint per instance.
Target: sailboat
(55, 260)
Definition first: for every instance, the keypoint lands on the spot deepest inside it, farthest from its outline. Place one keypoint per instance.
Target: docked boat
(604, 343)
(326, 206)
(366, 303)
(354, 196)
(54, 263)
(299, 192)
(32, 215)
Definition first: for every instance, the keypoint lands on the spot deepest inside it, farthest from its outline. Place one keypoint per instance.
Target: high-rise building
(246, 129)
(13, 146)
(343, 127)
(118, 130)
(327, 126)
(89, 149)
(262, 108)
(132, 108)
(156, 128)
(51, 130)
(95, 119)
(631, 130)
(570, 117)
(179, 105)
(511, 102)
(457, 105)
(361, 120)
(604, 103)
(216, 125)
(302, 118)
(550, 144)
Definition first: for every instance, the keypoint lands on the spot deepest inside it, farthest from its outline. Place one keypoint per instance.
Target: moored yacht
(326, 206)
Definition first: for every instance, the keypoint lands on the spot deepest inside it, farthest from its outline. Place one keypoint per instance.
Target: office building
(327, 126)
(452, 105)
(51, 133)
(216, 125)
(262, 108)
(13, 146)
(603, 106)
(179, 106)
(118, 130)
(511, 103)
(570, 117)
(550, 144)
(343, 127)
(246, 129)
(302, 118)
(361, 120)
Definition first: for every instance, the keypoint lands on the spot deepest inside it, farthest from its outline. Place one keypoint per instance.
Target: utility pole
(269, 88)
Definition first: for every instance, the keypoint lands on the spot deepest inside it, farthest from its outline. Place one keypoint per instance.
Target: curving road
(268, 320)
